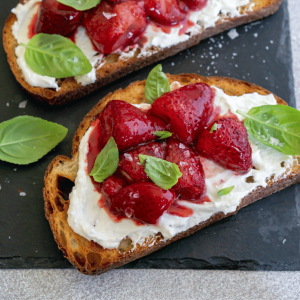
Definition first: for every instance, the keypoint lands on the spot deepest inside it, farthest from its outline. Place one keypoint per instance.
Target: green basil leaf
(80, 4)
(55, 56)
(163, 173)
(213, 128)
(157, 84)
(225, 191)
(106, 162)
(25, 139)
(163, 134)
(277, 126)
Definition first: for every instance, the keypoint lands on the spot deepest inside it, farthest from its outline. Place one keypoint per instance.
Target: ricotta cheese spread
(215, 11)
(92, 222)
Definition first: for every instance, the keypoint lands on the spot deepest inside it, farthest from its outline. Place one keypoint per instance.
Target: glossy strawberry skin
(195, 4)
(112, 26)
(191, 184)
(112, 185)
(57, 18)
(165, 12)
(186, 109)
(128, 125)
(143, 201)
(130, 162)
(228, 146)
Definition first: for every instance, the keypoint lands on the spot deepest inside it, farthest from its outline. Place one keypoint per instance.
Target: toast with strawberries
(117, 38)
(133, 183)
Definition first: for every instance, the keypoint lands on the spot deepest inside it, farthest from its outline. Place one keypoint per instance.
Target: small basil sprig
(225, 191)
(106, 162)
(213, 128)
(25, 139)
(55, 56)
(277, 126)
(80, 4)
(157, 84)
(163, 173)
(162, 134)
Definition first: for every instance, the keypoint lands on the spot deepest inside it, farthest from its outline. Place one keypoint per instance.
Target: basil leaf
(55, 56)
(213, 128)
(277, 126)
(25, 139)
(163, 134)
(157, 84)
(80, 4)
(163, 173)
(225, 191)
(106, 162)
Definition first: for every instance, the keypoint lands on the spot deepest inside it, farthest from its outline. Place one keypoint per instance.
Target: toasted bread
(115, 68)
(91, 258)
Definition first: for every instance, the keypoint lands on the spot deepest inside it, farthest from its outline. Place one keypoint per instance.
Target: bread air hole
(125, 245)
(79, 258)
(112, 58)
(58, 204)
(94, 259)
(282, 164)
(63, 238)
(64, 186)
(250, 179)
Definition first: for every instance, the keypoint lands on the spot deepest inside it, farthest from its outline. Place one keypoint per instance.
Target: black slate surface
(264, 235)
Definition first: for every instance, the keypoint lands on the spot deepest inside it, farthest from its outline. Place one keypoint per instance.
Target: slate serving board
(264, 235)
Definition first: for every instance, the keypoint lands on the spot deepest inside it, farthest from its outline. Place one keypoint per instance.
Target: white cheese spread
(205, 18)
(88, 220)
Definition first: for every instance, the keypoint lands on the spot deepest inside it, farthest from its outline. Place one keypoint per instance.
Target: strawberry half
(228, 145)
(112, 185)
(128, 125)
(130, 162)
(57, 18)
(112, 26)
(192, 184)
(165, 12)
(186, 109)
(195, 4)
(143, 201)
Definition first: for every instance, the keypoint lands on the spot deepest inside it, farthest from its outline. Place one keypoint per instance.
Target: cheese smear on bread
(215, 11)
(88, 220)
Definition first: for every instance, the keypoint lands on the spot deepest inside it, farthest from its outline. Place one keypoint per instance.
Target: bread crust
(89, 257)
(71, 90)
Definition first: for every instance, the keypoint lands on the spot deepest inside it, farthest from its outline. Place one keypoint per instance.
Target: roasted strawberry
(143, 201)
(186, 109)
(112, 26)
(57, 18)
(112, 185)
(195, 4)
(227, 144)
(130, 162)
(165, 12)
(128, 125)
(191, 184)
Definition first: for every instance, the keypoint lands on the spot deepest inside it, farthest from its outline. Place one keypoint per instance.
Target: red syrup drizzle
(216, 115)
(31, 26)
(179, 210)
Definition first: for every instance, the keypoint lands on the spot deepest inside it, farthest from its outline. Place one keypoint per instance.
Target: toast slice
(114, 67)
(91, 258)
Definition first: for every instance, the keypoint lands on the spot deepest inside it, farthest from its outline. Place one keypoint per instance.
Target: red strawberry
(128, 125)
(112, 185)
(57, 18)
(191, 184)
(112, 26)
(144, 201)
(228, 145)
(195, 4)
(130, 162)
(187, 109)
(165, 12)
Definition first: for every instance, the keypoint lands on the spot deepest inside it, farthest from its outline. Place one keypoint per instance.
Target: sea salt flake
(233, 34)
(108, 15)
(23, 104)
(22, 194)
